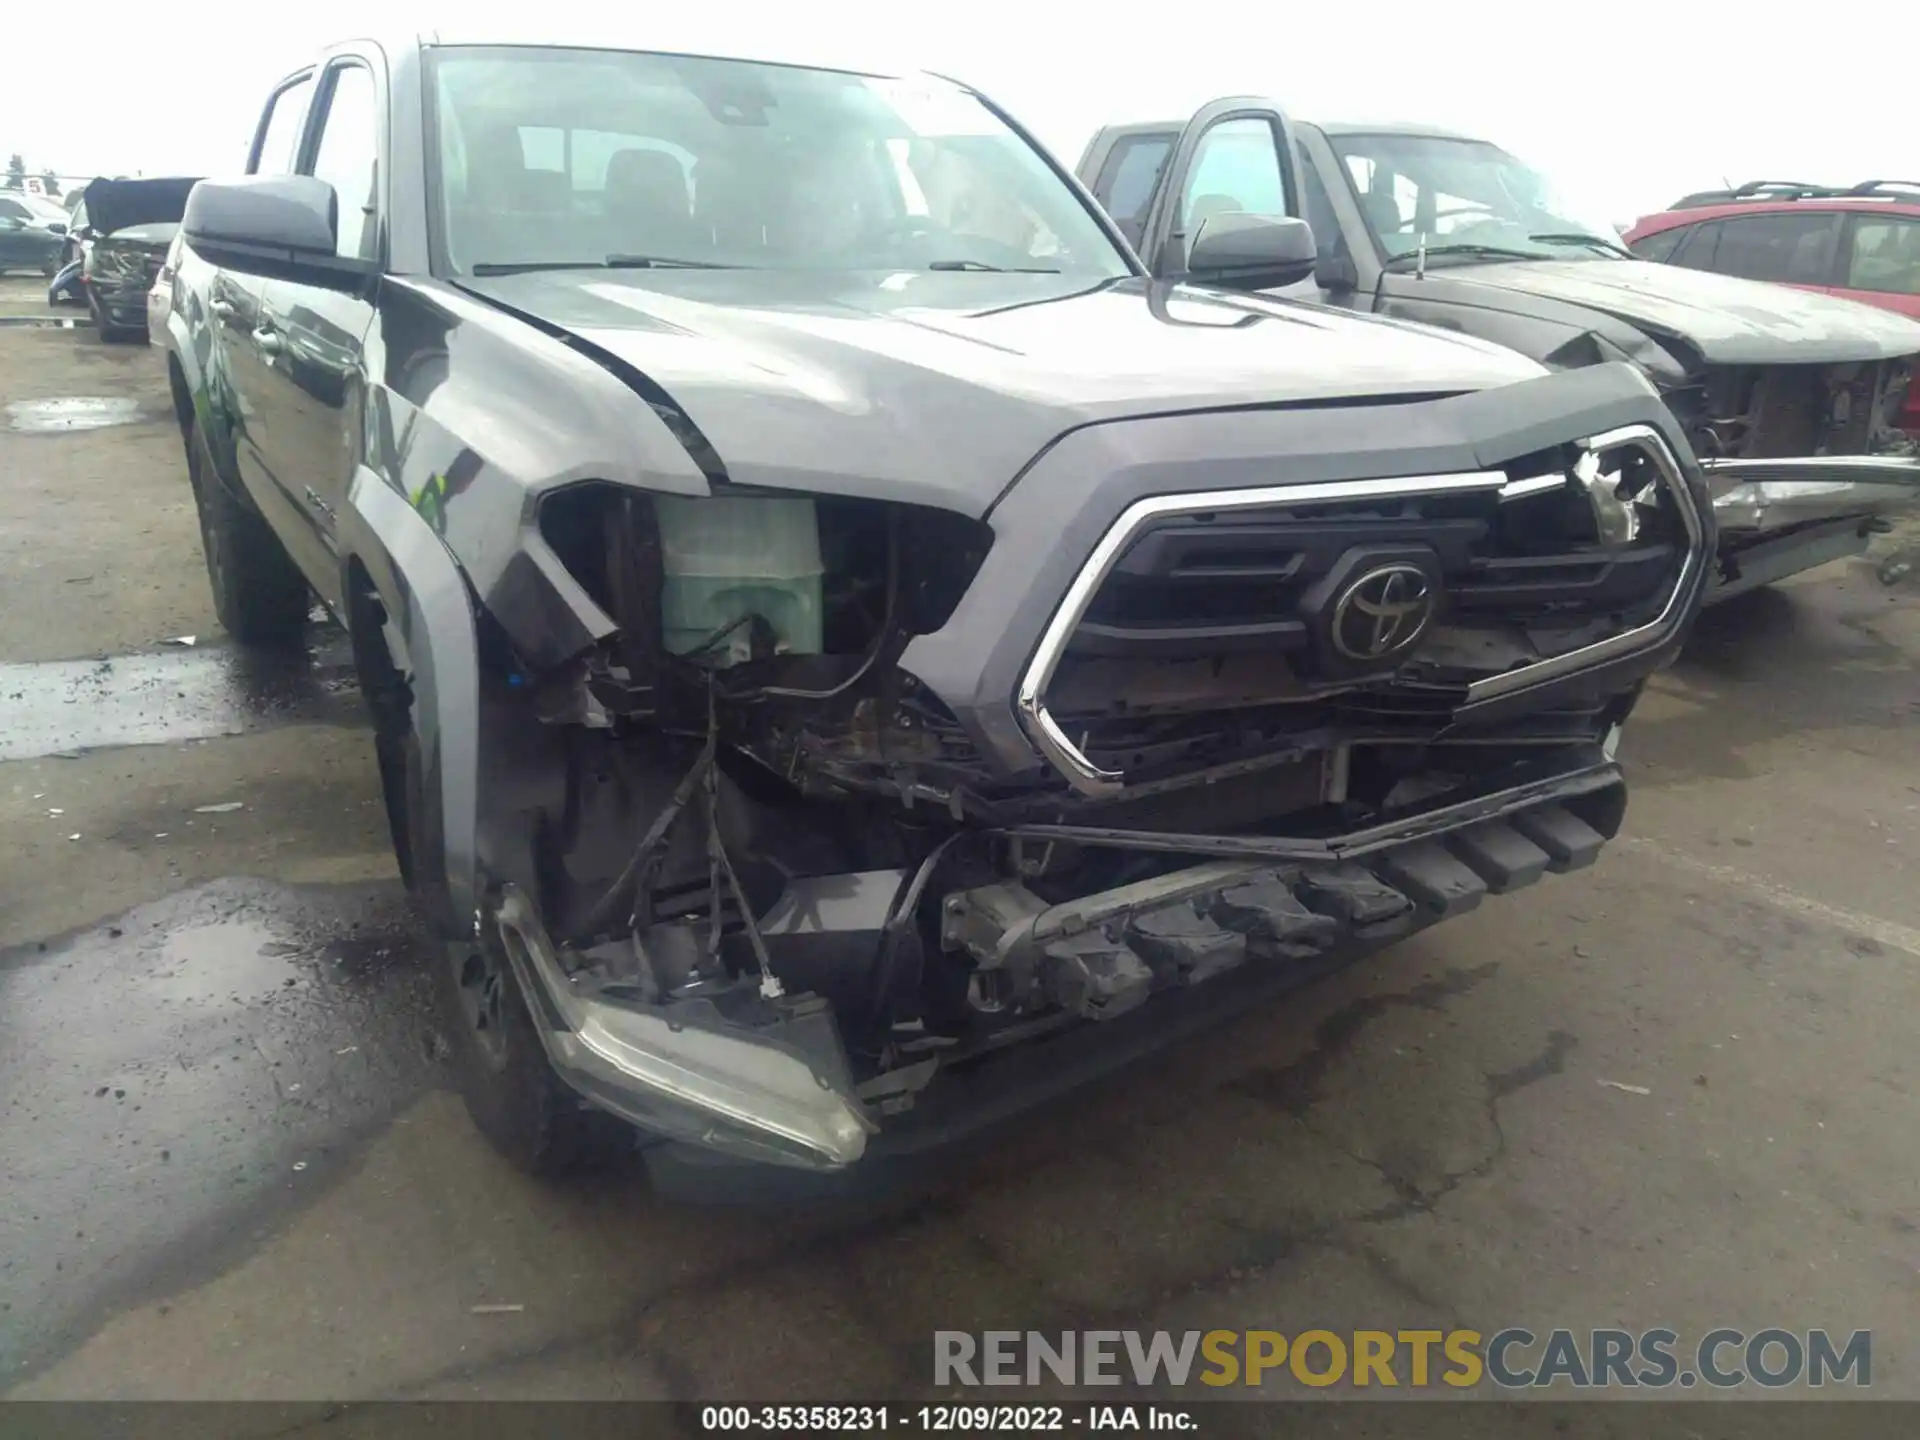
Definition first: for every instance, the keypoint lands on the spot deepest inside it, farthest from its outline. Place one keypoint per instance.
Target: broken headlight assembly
(774, 593)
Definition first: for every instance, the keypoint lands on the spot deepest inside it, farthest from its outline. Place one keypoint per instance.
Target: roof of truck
(654, 33)
(1394, 127)
(1329, 127)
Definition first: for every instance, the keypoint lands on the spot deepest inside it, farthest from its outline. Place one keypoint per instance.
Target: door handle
(221, 308)
(268, 341)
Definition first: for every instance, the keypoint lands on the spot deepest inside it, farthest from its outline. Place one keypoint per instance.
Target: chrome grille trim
(1041, 726)
(1642, 637)
(1051, 740)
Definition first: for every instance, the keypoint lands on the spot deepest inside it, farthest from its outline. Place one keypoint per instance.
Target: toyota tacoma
(1794, 403)
(850, 654)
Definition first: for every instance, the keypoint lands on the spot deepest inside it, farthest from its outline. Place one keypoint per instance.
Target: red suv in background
(1861, 242)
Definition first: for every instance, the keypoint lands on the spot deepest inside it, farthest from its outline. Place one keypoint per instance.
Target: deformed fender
(191, 347)
(431, 611)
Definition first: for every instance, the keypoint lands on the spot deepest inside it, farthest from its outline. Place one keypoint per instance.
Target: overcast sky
(1626, 107)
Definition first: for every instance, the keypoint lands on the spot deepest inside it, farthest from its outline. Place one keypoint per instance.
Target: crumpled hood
(115, 204)
(944, 386)
(1727, 320)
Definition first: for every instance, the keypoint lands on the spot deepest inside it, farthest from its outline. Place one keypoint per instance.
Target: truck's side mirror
(272, 225)
(1251, 252)
(1336, 274)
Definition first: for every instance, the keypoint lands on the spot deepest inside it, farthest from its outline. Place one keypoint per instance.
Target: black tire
(510, 1088)
(100, 322)
(258, 592)
(516, 1100)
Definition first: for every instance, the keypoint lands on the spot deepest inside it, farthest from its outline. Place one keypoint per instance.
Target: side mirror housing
(284, 225)
(1251, 252)
(1336, 274)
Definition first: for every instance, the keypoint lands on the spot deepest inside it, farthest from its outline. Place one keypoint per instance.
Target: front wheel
(510, 1088)
(98, 313)
(516, 1100)
(258, 592)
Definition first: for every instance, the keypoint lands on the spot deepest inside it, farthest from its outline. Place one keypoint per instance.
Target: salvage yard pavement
(1675, 1090)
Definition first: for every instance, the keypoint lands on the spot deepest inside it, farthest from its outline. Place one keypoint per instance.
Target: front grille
(1459, 587)
(1221, 583)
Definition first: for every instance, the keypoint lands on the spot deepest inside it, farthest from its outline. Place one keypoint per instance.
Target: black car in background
(31, 234)
(120, 234)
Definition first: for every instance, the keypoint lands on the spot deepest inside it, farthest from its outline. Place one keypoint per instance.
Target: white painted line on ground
(1886, 932)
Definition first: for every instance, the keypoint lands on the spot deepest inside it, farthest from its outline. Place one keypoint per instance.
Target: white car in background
(160, 296)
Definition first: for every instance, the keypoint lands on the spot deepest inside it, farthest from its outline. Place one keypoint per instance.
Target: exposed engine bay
(739, 816)
(1760, 412)
(1804, 461)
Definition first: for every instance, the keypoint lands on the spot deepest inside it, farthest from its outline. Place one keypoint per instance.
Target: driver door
(1236, 155)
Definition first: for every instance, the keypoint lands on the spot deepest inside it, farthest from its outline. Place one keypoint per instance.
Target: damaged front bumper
(1778, 517)
(1760, 496)
(1268, 911)
(777, 1096)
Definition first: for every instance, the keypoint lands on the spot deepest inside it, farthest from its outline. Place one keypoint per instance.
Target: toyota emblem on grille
(1383, 612)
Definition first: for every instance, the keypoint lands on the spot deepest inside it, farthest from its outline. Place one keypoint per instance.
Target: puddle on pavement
(66, 706)
(74, 412)
(177, 1072)
(234, 962)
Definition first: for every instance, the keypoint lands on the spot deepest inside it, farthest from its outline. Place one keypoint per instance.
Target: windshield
(1467, 193)
(581, 157)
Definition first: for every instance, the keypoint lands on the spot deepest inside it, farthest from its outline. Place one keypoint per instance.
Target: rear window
(1885, 256)
(1788, 249)
(1129, 177)
(277, 149)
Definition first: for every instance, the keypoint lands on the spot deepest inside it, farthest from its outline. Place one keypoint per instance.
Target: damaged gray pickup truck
(1790, 400)
(850, 655)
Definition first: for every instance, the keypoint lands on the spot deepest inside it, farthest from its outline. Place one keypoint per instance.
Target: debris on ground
(1630, 1089)
(497, 1309)
(1896, 567)
(180, 640)
(226, 807)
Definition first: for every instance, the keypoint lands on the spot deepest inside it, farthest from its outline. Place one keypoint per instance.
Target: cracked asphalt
(1674, 1090)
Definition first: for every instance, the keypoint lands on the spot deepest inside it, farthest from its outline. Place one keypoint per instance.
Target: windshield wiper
(1575, 237)
(1483, 252)
(995, 269)
(612, 262)
(663, 262)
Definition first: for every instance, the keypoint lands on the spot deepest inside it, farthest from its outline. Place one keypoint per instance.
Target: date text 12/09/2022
(936, 1419)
